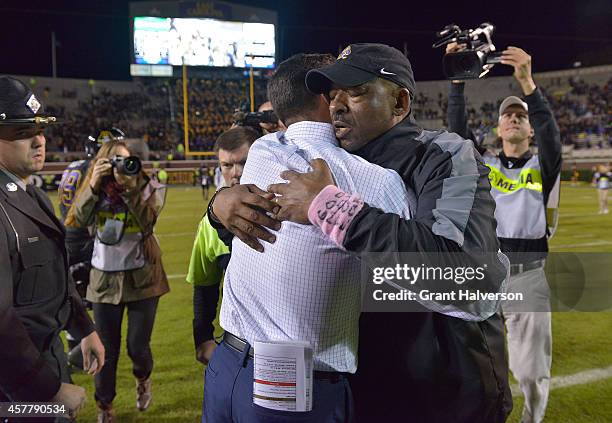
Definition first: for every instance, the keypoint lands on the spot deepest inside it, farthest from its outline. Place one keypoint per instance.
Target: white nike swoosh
(384, 72)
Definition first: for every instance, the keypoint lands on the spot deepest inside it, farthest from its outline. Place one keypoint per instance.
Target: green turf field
(581, 341)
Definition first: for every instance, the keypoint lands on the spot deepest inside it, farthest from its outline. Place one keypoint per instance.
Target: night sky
(95, 40)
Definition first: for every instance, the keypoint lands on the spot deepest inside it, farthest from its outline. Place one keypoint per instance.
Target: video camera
(474, 62)
(243, 118)
(126, 165)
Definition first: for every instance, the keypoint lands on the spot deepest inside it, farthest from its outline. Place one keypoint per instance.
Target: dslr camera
(126, 165)
(478, 58)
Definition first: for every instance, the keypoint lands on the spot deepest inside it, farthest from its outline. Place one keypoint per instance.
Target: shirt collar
(514, 162)
(14, 178)
(307, 133)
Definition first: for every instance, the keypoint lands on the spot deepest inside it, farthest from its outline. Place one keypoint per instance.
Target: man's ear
(402, 102)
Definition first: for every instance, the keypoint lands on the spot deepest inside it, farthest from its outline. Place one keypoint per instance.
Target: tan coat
(131, 285)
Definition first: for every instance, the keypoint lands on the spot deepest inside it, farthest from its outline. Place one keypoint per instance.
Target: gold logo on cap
(345, 53)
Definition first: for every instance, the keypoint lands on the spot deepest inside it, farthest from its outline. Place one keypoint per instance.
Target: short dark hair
(287, 88)
(236, 137)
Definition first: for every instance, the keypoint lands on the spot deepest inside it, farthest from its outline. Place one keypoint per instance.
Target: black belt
(240, 344)
(515, 269)
(236, 343)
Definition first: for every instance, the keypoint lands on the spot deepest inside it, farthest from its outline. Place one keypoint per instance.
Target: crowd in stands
(137, 114)
(427, 108)
(584, 114)
(154, 112)
(212, 103)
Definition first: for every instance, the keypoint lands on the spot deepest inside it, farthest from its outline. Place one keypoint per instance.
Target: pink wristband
(333, 210)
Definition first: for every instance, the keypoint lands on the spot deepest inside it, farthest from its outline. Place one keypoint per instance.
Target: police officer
(37, 297)
(525, 187)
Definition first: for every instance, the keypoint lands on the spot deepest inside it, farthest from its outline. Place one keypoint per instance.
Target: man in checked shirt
(303, 287)
(417, 367)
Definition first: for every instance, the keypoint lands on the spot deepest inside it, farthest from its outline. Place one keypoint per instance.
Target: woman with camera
(123, 204)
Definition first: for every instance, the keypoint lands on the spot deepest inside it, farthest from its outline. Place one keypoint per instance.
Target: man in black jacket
(423, 367)
(37, 298)
(525, 187)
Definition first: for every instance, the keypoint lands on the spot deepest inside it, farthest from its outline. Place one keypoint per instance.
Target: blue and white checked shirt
(304, 287)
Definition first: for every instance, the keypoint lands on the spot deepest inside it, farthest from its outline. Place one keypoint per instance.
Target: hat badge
(11, 187)
(344, 53)
(33, 104)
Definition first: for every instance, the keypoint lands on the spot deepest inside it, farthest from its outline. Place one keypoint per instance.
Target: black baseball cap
(360, 63)
(19, 105)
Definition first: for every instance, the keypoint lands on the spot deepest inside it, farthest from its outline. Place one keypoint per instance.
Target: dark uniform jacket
(37, 298)
(429, 367)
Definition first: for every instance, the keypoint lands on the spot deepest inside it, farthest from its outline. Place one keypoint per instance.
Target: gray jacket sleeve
(454, 214)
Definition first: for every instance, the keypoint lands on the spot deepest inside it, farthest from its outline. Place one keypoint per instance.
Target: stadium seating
(152, 109)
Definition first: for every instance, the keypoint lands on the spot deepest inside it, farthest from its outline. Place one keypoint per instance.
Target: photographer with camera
(127, 272)
(79, 241)
(525, 187)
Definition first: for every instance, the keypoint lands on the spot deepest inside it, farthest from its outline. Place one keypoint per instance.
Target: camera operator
(264, 121)
(127, 272)
(269, 127)
(525, 187)
(79, 241)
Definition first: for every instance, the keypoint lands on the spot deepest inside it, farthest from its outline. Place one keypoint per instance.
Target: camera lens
(131, 165)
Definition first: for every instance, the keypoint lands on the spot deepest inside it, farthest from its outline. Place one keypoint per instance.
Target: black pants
(108, 318)
(430, 368)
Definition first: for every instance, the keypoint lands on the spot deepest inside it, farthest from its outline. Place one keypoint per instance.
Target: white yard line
(577, 214)
(585, 244)
(580, 378)
(177, 276)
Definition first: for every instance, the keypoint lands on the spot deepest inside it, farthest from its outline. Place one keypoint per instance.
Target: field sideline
(581, 341)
